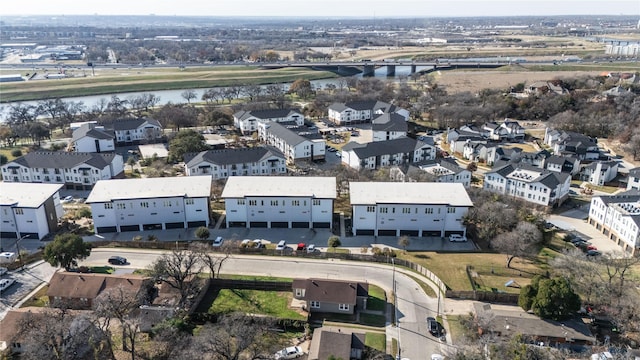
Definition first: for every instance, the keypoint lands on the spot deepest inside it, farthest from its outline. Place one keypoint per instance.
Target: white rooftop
(315, 186)
(365, 193)
(147, 151)
(26, 195)
(148, 188)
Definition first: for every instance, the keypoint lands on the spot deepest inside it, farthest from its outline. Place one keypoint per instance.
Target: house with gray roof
(599, 172)
(568, 143)
(247, 120)
(76, 170)
(295, 142)
(565, 164)
(477, 151)
(262, 160)
(388, 126)
(92, 138)
(537, 186)
(345, 343)
(387, 153)
(633, 181)
(331, 296)
(358, 112)
(135, 130)
(618, 217)
(439, 170)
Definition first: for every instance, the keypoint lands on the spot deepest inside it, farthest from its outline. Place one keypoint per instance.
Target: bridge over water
(367, 68)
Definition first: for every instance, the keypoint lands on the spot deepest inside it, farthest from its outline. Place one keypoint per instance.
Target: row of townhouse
(537, 186)
(443, 170)
(357, 112)
(508, 130)
(75, 170)
(572, 144)
(247, 121)
(419, 209)
(91, 137)
(221, 164)
(398, 151)
(29, 210)
(295, 142)
(618, 217)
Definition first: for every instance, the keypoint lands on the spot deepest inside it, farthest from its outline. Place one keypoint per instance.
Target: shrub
(16, 153)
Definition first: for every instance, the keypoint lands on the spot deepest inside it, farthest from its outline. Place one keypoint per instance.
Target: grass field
(272, 303)
(376, 341)
(39, 299)
(377, 299)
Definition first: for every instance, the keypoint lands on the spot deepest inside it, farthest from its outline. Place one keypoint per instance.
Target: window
(428, 210)
(315, 304)
(299, 292)
(144, 204)
(19, 212)
(406, 210)
(121, 206)
(295, 202)
(384, 210)
(343, 307)
(371, 209)
(253, 202)
(108, 205)
(316, 202)
(451, 210)
(274, 202)
(187, 201)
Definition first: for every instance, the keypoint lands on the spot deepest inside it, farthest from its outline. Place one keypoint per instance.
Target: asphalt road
(413, 304)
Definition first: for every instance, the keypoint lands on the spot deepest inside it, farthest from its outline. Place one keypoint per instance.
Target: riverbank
(115, 81)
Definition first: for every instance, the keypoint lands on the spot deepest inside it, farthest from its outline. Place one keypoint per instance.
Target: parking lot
(25, 282)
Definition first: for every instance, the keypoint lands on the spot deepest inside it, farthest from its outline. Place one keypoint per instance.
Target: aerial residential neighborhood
(334, 189)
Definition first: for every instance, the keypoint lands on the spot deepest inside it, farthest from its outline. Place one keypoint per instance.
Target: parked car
(437, 357)
(593, 253)
(433, 326)
(257, 243)
(301, 246)
(281, 245)
(67, 199)
(311, 249)
(292, 352)
(5, 283)
(218, 242)
(457, 237)
(246, 243)
(117, 260)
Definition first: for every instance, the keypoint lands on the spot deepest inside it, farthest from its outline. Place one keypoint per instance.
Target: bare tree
(210, 260)
(178, 270)
(189, 95)
(519, 242)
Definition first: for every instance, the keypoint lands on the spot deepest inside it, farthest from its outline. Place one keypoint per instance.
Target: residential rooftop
(280, 186)
(26, 195)
(452, 194)
(147, 188)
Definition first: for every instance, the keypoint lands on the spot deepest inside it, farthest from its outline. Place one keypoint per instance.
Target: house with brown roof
(331, 296)
(78, 290)
(340, 343)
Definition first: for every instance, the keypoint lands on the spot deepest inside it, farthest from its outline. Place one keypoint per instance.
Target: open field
(270, 303)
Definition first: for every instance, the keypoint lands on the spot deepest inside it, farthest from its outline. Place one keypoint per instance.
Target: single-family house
(150, 203)
(295, 142)
(388, 126)
(568, 143)
(378, 154)
(495, 131)
(279, 201)
(92, 138)
(220, 164)
(599, 172)
(531, 184)
(247, 120)
(331, 296)
(346, 343)
(544, 87)
(135, 130)
(459, 135)
(618, 217)
(439, 170)
(409, 208)
(633, 181)
(514, 132)
(565, 164)
(29, 210)
(477, 151)
(76, 170)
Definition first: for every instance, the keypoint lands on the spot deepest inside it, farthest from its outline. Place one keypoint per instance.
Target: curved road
(413, 304)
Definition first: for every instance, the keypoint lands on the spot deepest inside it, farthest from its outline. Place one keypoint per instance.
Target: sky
(322, 8)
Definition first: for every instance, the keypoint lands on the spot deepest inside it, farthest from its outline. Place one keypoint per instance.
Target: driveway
(575, 221)
(27, 280)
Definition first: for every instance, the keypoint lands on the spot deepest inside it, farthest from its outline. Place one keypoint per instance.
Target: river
(175, 96)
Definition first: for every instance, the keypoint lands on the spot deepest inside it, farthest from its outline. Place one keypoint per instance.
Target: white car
(67, 199)
(457, 237)
(292, 352)
(218, 242)
(311, 249)
(437, 357)
(5, 283)
(281, 245)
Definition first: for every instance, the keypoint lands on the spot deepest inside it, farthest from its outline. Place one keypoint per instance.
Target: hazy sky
(324, 8)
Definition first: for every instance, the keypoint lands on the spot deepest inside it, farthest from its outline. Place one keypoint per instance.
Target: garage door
(280, 224)
(409, 232)
(386, 233)
(300, 224)
(106, 229)
(365, 232)
(258, 224)
(174, 225)
(193, 224)
(129, 228)
(321, 225)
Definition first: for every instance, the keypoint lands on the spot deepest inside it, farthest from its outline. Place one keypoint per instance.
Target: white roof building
(618, 217)
(150, 203)
(415, 209)
(29, 209)
(279, 201)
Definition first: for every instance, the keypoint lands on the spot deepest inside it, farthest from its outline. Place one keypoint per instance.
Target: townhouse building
(410, 208)
(295, 142)
(29, 210)
(618, 217)
(379, 154)
(279, 201)
(76, 170)
(531, 184)
(92, 138)
(247, 120)
(565, 164)
(389, 126)
(358, 112)
(567, 143)
(150, 203)
(220, 164)
(135, 130)
(599, 172)
(633, 181)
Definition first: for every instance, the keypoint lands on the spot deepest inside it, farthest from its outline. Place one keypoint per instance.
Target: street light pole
(395, 305)
(18, 250)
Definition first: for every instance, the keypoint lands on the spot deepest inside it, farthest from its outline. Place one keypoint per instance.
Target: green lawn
(456, 329)
(373, 320)
(272, 303)
(102, 269)
(39, 299)
(376, 341)
(377, 298)
(253, 277)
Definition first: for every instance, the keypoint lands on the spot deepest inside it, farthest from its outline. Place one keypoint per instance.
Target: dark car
(117, 260)
(433, 326)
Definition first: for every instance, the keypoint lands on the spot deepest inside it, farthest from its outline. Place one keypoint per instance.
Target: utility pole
(395, 305)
